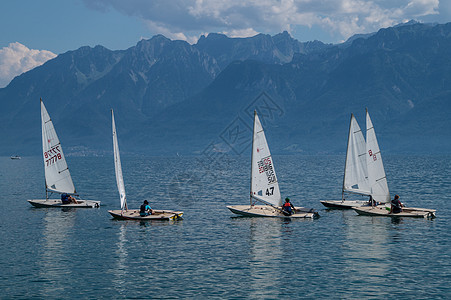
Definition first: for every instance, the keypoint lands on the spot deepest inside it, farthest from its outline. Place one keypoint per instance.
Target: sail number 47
(269, 191)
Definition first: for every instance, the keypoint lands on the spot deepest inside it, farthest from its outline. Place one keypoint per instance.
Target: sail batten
(264, 184)
(54, 161)
(67, 169)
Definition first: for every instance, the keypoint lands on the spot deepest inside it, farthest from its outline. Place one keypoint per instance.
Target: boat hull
(269, 211)
(58, 203)
(133, 214)
(347, 204)
(406, 212)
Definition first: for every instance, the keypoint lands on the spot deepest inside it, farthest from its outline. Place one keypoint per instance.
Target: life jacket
(396, 206)
(64, 198)
(142, 209)
(396, 203)
(286, 209)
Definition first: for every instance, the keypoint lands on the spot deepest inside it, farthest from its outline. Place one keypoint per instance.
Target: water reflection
(120, 272)
(366, 255)
(396, 221)
(265, 257)
(160, 223)
(54, 263)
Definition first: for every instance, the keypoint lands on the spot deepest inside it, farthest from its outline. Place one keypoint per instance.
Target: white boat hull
(381, 210)
(269, 211)
(58, 203)
(347, 204)
(133, 214)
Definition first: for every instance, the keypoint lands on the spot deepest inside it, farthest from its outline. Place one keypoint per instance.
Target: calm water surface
(57, 253)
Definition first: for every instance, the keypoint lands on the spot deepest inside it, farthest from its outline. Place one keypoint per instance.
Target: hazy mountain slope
(402, 75)
(172, 97)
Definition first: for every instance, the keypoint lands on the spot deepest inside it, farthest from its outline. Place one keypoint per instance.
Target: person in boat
(145, 209)
(68, 199)
(396, 205)
(288, 207)
(372, 202)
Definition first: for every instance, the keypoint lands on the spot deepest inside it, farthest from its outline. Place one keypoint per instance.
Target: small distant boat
(57, 175)
(355, 177)
(264, 184)
(15, 157)
(133, 214)
(377, 182)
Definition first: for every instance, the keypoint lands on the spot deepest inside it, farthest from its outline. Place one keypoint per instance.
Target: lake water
(83, 253)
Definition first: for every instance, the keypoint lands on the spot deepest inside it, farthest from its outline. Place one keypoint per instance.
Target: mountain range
(171, 97)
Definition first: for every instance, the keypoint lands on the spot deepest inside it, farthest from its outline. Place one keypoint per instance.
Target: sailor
(288, 207)
(68, 199)
(396, 205)
(145, 209)
(65, 198)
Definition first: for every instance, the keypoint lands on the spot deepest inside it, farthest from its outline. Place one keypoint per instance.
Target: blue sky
(34, 31)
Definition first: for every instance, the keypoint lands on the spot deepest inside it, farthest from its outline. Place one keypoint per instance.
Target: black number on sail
(270, 191)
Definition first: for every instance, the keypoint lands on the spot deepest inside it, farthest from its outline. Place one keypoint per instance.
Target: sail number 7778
(52, 155)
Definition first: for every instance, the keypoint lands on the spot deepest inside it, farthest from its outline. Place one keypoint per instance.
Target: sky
(34, 31)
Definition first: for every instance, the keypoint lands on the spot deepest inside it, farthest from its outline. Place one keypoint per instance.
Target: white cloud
(420, 8)
(155, 27)
(185, 19)
(17, 59)
(240, 33)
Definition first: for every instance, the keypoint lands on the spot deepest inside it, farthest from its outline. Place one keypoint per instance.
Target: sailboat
(355, 178)
(264, 184)
(377, 182)
(132, 214)
(57, 175)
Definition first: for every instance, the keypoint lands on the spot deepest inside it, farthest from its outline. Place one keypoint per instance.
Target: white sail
(57, 175)
(264, 185)
(118, 167)
(376, 173)
(356, 175)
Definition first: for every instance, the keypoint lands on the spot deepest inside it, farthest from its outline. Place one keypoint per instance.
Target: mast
(45, 181)
(57, 175)
(376, 173)
(346, 160)
(264, 185)
(118, 167)
(252, 156)
(355, 174)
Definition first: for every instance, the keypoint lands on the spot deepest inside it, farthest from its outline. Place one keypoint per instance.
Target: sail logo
(52, 156)
(265, 165)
